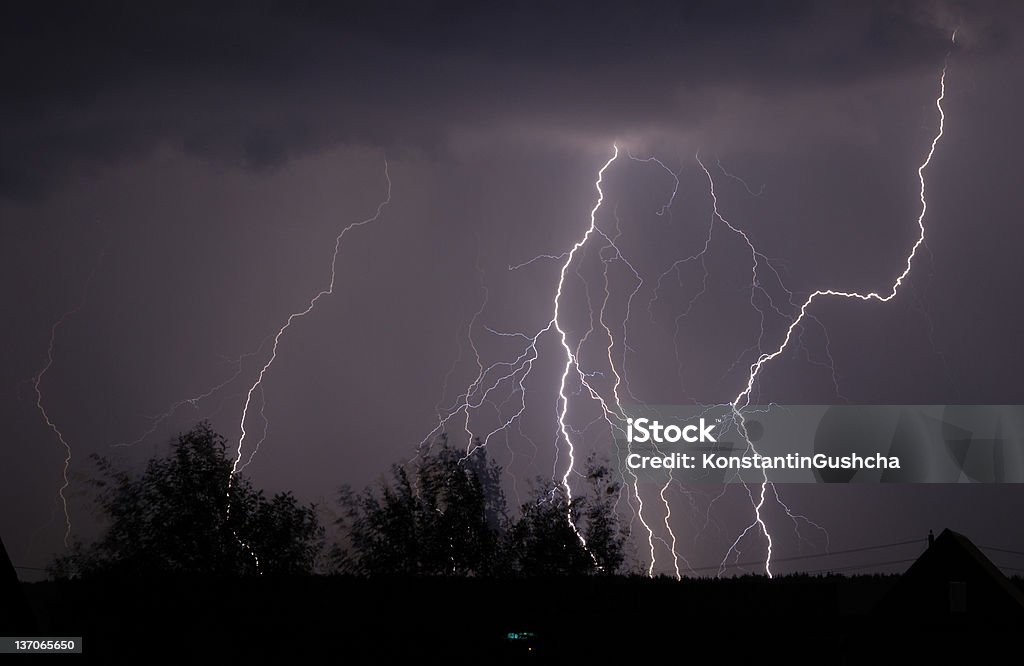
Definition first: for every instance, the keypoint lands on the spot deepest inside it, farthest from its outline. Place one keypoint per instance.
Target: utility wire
(1001, 550)
(816, 555)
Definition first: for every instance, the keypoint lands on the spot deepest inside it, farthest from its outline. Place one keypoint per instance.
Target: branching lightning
(502, 384)
(194, 400)
(511, 375)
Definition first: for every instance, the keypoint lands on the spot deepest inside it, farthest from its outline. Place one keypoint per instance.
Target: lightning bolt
(327, 291)
(37, 385)
(755, 369)
(742, 400)
(258, 384)
(570, 357)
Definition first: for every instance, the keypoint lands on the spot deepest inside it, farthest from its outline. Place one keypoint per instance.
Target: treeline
(443, 514)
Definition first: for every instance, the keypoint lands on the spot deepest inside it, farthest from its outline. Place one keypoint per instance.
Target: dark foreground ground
(436, 621)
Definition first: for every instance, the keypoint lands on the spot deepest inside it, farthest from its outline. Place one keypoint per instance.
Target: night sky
(181, 173)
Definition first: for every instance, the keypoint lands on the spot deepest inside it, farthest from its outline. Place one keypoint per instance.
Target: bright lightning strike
(570, 358)
(490, 378)
(511, 375)
(743, 398)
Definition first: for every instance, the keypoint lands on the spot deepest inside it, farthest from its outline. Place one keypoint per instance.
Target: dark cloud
(255, 84)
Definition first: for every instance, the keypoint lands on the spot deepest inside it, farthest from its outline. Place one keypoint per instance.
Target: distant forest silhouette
(443, 514)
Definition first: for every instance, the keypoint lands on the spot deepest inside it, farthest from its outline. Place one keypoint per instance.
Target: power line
(816, 555)
(852, 567)
(1001, 550)
(1010, 568)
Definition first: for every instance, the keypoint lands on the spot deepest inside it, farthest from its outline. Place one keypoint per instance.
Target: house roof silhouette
(954, 581)
(15, 615)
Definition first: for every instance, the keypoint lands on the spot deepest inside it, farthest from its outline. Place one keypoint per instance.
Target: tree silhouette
(606, 536)
(443, 515)
(545, 542)
(446, 515)
(187, 513)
